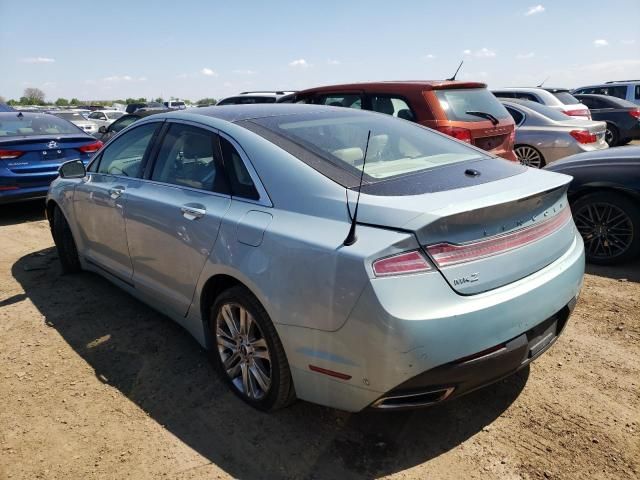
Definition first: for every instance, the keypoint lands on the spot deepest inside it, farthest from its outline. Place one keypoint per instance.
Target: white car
(556, 98)
(104, 118)
(78, 120)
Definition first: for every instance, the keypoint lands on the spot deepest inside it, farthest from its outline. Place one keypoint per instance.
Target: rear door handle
(115, 192)
(193, 212)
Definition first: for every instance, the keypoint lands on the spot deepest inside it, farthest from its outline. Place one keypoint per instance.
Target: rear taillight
(10, 154)
(583, 136)
(92, 147)
(459, 133)
(401, 264)
(635, 114)
(447, 254)
(578, 113)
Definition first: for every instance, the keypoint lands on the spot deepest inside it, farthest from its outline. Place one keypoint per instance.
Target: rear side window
(517, 116)
(566, 98)
(350, 100)
(188, 158)
(457, 102)
(637, 95)
(239, 177)
(394, 106)
(527, 96)
(124, 155)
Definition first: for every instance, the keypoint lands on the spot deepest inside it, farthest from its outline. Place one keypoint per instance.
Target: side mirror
(72, 169)
(102, 129)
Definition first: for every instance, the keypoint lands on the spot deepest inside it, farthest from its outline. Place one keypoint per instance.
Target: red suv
(465, 110)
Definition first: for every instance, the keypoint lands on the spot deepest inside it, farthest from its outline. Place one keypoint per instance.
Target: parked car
(78, 119)
(241, 225)
(105, 133)
(464, 110)
(32, 148)
(557, 98)
(605, 200)
(622, 117)
(104, 118)
(245, 98)
(6, 108)
(134, 107)
(544, 135)
(624, 89)
(175, 105)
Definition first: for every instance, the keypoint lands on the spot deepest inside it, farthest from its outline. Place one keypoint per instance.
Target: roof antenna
(542, 83)
(454, 75)
(351, 236)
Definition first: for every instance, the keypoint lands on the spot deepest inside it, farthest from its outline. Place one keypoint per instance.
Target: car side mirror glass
(102, 129)
(72, 169)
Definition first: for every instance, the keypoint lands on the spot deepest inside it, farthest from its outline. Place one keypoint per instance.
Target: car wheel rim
(608, 136)
(607, 230)
(529, 156)
(243, 351)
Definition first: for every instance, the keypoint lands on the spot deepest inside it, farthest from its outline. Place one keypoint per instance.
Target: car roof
(556, 90)
(397, 85)
(519, 89)
(622, 103)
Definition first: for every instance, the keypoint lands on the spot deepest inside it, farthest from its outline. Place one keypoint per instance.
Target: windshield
(30, 125)
(457, 102)
(71, 116)
(396, 147)
(123, 123)
(566, 98)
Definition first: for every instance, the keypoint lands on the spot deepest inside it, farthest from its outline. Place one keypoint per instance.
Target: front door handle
(115, 192)
(193, 212)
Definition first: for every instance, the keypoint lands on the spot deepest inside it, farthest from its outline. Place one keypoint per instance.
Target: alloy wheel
(607, 230)
(243, 351)
(529, 156)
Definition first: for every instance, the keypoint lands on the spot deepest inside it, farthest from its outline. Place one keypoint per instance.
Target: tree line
(35, 96)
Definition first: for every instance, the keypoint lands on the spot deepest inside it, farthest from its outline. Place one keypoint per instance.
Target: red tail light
(458, 133)
(91, 147)
(401, 264)
(10, 154)
(583, 136)
(578, 113)
(446, 254)
(635, 114)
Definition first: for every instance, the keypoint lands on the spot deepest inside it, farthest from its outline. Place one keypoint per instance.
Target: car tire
(247, 357)
(65, 244)
(620, 228)
(529, 156)
(612, 135)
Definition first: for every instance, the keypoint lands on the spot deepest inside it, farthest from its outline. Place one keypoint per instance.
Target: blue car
(32, 148)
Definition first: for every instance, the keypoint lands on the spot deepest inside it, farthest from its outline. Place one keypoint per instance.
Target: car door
(173, 219)
(100, 200)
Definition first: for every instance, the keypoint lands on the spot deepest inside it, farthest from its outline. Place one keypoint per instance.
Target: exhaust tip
(413, 400)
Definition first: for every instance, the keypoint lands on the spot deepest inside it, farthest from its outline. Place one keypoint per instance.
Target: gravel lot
(94, 384)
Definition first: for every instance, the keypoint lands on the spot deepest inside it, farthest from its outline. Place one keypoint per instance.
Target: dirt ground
(94, 384)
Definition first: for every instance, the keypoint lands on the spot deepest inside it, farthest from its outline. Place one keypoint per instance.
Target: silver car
(544, 135)
(446, 271)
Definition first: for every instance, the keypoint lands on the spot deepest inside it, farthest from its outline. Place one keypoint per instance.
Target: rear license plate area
(51, 154)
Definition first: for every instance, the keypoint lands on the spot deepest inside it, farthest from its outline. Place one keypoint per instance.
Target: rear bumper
(23, 194)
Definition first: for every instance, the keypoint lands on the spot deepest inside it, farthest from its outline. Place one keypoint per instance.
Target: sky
(194, 49)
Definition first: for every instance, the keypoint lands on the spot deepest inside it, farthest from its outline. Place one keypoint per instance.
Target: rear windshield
(71, 116)
(548, 112)
(566, 98)
(113, 115)
(395, 148)
(30, 125)
(247, 100)
(456, 103)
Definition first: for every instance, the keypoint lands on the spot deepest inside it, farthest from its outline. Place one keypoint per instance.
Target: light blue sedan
(447, 270)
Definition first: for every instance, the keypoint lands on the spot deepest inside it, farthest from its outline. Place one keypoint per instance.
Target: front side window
(394, 106)
(457, 103)
(124, 155)
(94, 116)
(350, 100)
(188, 158)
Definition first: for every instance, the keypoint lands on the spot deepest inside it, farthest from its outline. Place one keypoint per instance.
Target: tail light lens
(401, 264)
(10, 154)
(583, 136)
(446, 254)
(635, 114)
(578, 113)
(463, 134)
(91, 147)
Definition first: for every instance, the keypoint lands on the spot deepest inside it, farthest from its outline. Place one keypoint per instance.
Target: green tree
(34, 96)
(159, 100)
(141, 100)
(74, 101)
(62, 102)
(12, 102)
(207, 101)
